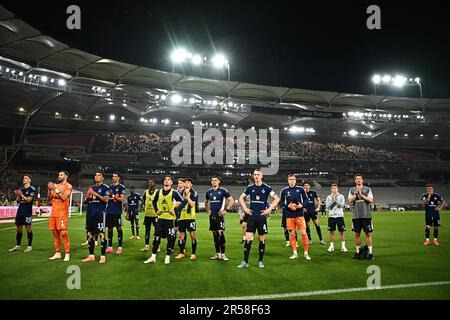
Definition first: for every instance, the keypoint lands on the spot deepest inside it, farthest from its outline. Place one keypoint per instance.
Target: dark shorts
(95, 223)
(216, 223)
(165, 228)
(113, 220)
(22, 220)
(244, 219)
(362, 224)
(188, 225)
(133, 215)
(148, 221)
(339, 222)
(311, 216)
(257, 224)
(432, 219)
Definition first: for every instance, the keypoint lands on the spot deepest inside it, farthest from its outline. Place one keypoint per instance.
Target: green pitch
(398, 251)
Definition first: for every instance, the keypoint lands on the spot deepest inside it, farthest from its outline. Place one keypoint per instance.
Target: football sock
(262, 249)
(222, 242)
(96, 237)
(91, 246)
(308, 232)
(370, 249)
(170, 245)
(57, 241)
(357, 249)
(343, 244)
(247, 247)
(427, 233)
(436, 233)
(182, 245)
(156, 243)
(132, 229)
(110, 237)
(66, 241)
(216, 242)
(18, 238)
(194, 246)
(120, 237)
(137, 227)
(30, 238)
(103, 242)
(293, 242)
(332, 245)
(147, 235)
(319, 232)
(286, 234)
(305, 243)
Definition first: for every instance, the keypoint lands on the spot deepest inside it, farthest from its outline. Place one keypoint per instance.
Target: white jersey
(334, 205)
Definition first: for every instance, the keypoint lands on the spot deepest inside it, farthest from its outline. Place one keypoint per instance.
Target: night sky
(319, 45)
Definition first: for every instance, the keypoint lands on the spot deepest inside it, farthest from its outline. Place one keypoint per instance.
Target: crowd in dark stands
(160, 144)
(317, 152)
(7, 183)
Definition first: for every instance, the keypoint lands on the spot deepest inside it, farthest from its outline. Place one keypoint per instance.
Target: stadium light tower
(398, 81)
(180, 56)
(219, 61)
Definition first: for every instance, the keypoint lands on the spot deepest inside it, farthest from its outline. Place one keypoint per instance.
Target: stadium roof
(26, 49)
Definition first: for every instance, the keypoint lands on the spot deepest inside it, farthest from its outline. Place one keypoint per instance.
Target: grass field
(398, 251)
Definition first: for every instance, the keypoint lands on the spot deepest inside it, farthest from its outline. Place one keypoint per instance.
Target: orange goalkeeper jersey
(60, 208)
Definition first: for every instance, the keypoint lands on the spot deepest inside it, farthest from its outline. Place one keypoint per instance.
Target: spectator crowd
(159, 144)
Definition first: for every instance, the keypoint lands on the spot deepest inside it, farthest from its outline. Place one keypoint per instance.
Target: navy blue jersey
(295, 195)
(178, 210)
(133, 201)
(115, 206)
(217, 199)
(26, 208)
(433, 203)
(94, 205)
(258, 199)
(309, 203)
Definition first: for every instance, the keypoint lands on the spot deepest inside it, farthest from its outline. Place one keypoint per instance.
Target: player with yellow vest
(149, 211)
(164, 203)
(187, 220)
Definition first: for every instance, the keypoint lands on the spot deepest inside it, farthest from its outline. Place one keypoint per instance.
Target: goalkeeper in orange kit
(291, 200)
(59, 195)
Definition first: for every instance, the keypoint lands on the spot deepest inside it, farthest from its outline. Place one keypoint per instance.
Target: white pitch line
(328, 292)
(34, 223)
